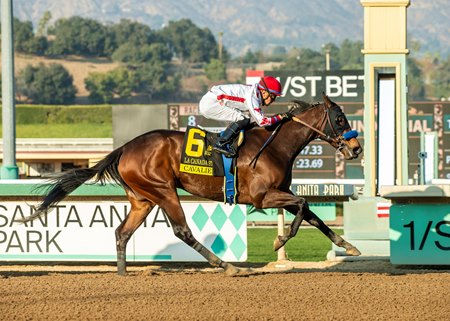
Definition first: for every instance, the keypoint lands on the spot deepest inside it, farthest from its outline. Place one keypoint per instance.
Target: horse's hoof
(231, 270)
(353, 251)
(277, 244)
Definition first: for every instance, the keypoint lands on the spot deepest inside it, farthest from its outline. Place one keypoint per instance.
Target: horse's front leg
(279, 199)
(314, 220)
(138, 212)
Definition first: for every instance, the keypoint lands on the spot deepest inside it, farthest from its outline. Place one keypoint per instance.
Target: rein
(338, 140)
(268, 141)
(321, 133)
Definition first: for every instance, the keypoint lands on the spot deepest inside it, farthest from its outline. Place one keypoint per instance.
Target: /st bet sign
(344, 86)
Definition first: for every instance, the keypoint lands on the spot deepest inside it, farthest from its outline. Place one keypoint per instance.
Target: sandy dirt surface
(364, 290)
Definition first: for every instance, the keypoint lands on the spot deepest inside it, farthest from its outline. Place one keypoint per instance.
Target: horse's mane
(299, 106)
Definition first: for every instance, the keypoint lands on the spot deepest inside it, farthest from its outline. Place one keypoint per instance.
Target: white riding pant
(215, 109)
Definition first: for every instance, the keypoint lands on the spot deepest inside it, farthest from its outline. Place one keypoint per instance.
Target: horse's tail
(64, 184)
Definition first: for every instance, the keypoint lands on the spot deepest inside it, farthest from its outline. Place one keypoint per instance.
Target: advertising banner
(85, 231)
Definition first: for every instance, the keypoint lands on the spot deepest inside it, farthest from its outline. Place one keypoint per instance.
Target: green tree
(50, 84)
(350, 56)
(304, 60)
(127, 31)
(151, 78)
(101, 87)
(279, 54)
(441, 79)
(79, 36)
(216, 70)
(131, 53)
(23, 34)
(188, 42)
(251, 57)
(416, 84)
(43, 23)
(104, 87)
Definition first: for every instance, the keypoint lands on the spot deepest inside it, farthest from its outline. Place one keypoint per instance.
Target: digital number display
(307, 163)
(312, 149)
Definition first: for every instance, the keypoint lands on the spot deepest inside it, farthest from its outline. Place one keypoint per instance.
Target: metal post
(9, 168)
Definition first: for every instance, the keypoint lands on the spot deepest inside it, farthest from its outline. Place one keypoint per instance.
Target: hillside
(79, 68)
(256, 25)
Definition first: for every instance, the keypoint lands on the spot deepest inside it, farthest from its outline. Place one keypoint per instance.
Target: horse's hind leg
(174, 212)
(314, 220)
(138, 212)
(280, 199)
(293, 229)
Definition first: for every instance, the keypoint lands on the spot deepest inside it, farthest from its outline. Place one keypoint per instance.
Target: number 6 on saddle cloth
(197, 157)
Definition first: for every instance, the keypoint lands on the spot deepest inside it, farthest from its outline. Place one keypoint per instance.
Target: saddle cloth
(197, 155)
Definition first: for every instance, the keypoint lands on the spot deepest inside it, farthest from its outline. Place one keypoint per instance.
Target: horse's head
(334, 128)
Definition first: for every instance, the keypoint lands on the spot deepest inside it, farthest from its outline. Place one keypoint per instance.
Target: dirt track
(370, 290)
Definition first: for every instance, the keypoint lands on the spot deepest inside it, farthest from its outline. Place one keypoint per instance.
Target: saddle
(198, 157)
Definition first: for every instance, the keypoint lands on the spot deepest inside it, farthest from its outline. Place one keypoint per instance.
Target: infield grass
(308, 245)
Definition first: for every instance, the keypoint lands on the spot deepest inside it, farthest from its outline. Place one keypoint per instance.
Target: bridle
(338, 140)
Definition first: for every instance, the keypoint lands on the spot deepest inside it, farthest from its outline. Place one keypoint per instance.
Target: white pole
(9, 168)
(282, 251)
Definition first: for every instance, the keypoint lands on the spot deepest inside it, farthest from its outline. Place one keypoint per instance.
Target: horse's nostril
(357, 150)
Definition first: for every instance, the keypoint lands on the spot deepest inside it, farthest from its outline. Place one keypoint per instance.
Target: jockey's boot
(227, 137)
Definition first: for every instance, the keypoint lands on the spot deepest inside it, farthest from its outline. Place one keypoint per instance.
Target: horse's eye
(340, 121)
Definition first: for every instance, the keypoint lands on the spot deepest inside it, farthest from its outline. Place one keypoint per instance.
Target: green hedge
(41, 114)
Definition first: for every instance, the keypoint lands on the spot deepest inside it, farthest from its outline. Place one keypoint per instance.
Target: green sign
(325, 211)
(420, 234)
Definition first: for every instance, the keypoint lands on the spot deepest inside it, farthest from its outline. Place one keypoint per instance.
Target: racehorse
(148, 168)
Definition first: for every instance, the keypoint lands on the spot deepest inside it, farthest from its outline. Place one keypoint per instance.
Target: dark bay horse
(148, 166)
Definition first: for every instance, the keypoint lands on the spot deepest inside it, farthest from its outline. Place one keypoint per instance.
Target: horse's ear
(326, 100)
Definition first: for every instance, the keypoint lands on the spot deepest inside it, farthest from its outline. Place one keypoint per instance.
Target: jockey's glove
(286, 115)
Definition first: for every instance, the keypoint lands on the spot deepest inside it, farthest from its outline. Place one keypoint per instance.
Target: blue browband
(349, 135)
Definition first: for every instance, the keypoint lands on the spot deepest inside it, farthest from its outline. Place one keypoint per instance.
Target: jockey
(240, 104)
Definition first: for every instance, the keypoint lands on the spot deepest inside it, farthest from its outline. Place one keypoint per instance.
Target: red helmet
(271, 85)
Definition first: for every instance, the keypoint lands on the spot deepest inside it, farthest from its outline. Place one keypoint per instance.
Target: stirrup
(223, 150)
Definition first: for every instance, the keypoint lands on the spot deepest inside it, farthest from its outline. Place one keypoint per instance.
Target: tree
(127, 31)
(216, 70)
(50, 84)
(100, 86)
(23, 34)
(43, 23)
(188, 42)
(79, 36)
(104, 87)
(253, 57)
(441, 80)
(304, 60)
(416, 84)
(133, 54)
(279, 54)
(350, 56)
